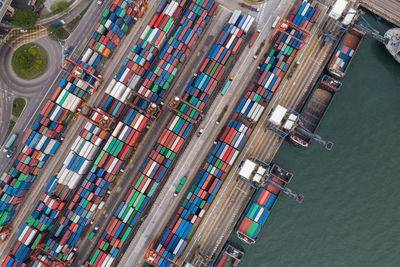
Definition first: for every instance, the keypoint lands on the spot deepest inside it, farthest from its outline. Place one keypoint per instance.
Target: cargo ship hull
(257, 212)
(314, 110)
(229, 257)
(345, 53)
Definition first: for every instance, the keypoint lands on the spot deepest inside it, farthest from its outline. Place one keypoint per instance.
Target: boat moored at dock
(345, 53)
(314, 110)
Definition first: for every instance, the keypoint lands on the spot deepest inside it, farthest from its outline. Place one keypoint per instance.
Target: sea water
(351, 212)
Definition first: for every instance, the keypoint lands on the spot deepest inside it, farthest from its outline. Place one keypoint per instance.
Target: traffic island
(29, 61)
(18, 106)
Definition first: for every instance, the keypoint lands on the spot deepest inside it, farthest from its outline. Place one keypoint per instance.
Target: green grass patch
(57, 32)
(29, 61)
(59, 6)
(73, 23)
(18, 106)
(10, 127)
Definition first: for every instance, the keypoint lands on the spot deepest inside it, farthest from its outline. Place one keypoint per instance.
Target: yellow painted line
(255, 3)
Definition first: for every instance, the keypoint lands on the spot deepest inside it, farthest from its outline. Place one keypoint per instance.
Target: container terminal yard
(92, 182)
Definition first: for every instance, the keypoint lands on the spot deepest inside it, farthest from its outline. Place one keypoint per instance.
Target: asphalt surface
(3, 8)
(107, 69)
(35, 101)
(34, 91)
(191, 159)
(263, 144)
(38, 90)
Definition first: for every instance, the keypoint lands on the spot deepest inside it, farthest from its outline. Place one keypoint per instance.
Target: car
(100, 2)
(23, 31)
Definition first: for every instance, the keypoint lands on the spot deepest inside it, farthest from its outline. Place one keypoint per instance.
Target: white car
(99, 2)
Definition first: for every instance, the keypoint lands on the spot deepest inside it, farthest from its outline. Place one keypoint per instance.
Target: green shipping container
(105, 13)
(168, 25)
(252, 230)
(126, 234)
(272, 52)
(153, 188)
(93, 259)
(133, 199)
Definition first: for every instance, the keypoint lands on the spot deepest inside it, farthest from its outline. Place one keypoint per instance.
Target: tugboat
(393, 44)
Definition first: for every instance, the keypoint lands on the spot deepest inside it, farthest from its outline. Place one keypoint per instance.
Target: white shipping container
(73, 181)
(108, 23)
(61, 95)
(174, 123)
(110, 86)
(137, 200)
(113, 164)
(145, 32)
(125, 95)
(257, 117)
(145, 185)
(21, 236)
(135, 79)
(87, 54)
(245, 106)
(30, 237)
(126, 71)
(41, 142)
(153, 165)
(249, 24)
(138, 122)
(175, 143)
(180, 243)
(93, 58)
(234, 17)
(234, 157)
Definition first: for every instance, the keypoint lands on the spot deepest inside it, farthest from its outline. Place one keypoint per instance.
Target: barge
(230, 256)
(264, 199)
(345, 53)
(314, 110)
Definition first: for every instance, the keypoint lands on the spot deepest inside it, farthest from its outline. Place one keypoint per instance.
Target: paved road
(234, 195)
(199, 147)
(79, 38)
(108, 70)
(38, 90)
(3, 8)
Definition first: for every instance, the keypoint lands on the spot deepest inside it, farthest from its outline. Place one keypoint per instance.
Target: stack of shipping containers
(257, 212)
(210, 178)
(43, 139)
(109, 162)
(171, 140)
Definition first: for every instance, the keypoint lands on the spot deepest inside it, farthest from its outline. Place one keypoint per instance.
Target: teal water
(351, 212)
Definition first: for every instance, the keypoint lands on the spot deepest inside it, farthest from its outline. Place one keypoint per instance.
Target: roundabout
(29, 61)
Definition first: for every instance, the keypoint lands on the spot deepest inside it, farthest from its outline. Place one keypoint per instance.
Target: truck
(10, 142)
(255, 36)
(93, 233)
(227, 85)
(179, 188)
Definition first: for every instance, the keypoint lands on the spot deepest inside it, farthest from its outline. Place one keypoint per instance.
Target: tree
(57, 32)
(25, 18)
(59, 6)
(25, 59)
